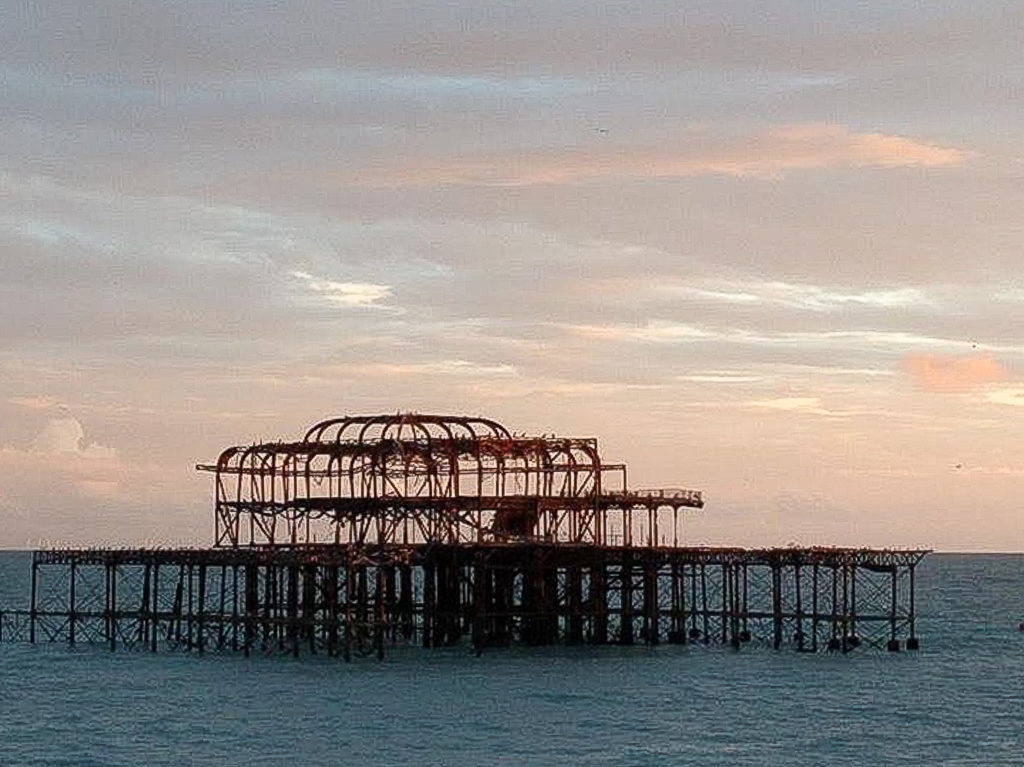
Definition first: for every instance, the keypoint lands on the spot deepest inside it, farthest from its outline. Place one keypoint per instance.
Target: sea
(959, 700)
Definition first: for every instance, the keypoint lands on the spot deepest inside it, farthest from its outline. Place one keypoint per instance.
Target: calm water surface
(959, 701)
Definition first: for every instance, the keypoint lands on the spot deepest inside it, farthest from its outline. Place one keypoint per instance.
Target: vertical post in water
(704, 601)
(405, 601)
(599, 597)
(222, 584)
(155, 611)
(651, 611)
(32, 609)
(734, 606)
(833, 643)
(799, 609)
(814, 608)
(71, 602)
(894, 643)
(106, 602)
(190, 609)
(391, 618)
(362, 596)
(694, 631)
(853, 603)
(234, 607)
(201, 612)
(252, 595)
(268, 603)
(331, 588)
(678, 604)
(776, 605)
(379, 616)
(292, 608)
(846, 607)
(912, 642)
(311, 576)
(726, 579)
(574, 606)
(626, 578)
(174, 625)
(112, 602)
(350, 589)
(142, 635)
(479, 602)
(745, 607)
(429, 599)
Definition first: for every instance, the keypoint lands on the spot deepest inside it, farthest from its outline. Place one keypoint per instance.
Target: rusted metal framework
(353, 600)
(375, 531)
(411, 478)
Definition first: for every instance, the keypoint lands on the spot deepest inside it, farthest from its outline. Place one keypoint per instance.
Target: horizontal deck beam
(351, 600)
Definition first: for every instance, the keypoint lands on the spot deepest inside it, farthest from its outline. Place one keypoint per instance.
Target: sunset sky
(768, 250)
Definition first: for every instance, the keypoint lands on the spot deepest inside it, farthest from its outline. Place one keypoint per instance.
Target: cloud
(796, 296)
(946, 374)
(60, 435)
(654, 331)
(719, 377)
(868, 341)
(461, 368)
(807, 405)
(345, 293)
(821, 145)
(59, 468)
(60, 485)
(64, 436)
(548, 386)
(996, 471)
(767, 154)
(1011, 396)
(35, 402)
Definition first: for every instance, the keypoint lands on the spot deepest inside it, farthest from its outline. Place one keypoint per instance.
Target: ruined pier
(380, 531)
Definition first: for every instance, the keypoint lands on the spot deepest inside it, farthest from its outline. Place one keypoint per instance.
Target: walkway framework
(435, 531)
(351, 600)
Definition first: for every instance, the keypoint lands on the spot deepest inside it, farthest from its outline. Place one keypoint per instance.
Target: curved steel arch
(429, 479)
(344, 424)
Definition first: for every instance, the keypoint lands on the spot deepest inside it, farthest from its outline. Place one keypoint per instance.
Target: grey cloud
(197, 247)
(206, 282)
(215, 85)
(107, 266)
(148, 40)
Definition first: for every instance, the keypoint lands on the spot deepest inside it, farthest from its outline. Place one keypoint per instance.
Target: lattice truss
(354, 600)
(348, 609)
(411, 478)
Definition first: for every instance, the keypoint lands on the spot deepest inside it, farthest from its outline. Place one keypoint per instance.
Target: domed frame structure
(414, 478)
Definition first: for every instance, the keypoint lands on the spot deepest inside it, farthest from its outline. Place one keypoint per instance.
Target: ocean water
(958, 701)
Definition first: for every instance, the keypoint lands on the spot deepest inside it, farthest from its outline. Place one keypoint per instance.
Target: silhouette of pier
(379, 531)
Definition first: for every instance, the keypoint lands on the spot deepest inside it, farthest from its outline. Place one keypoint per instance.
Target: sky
(769, 250)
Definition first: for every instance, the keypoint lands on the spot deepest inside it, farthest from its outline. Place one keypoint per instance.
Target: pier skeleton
(378, 531)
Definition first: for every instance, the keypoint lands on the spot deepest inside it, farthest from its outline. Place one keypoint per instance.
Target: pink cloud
(826, 145)
(940, 373)
(793, 147)
(35, 402)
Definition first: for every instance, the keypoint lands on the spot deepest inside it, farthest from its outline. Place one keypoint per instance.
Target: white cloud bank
(64, 435)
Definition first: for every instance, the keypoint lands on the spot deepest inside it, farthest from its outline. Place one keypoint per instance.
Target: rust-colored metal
(409, 529)
(352, 600)
(412, 478)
